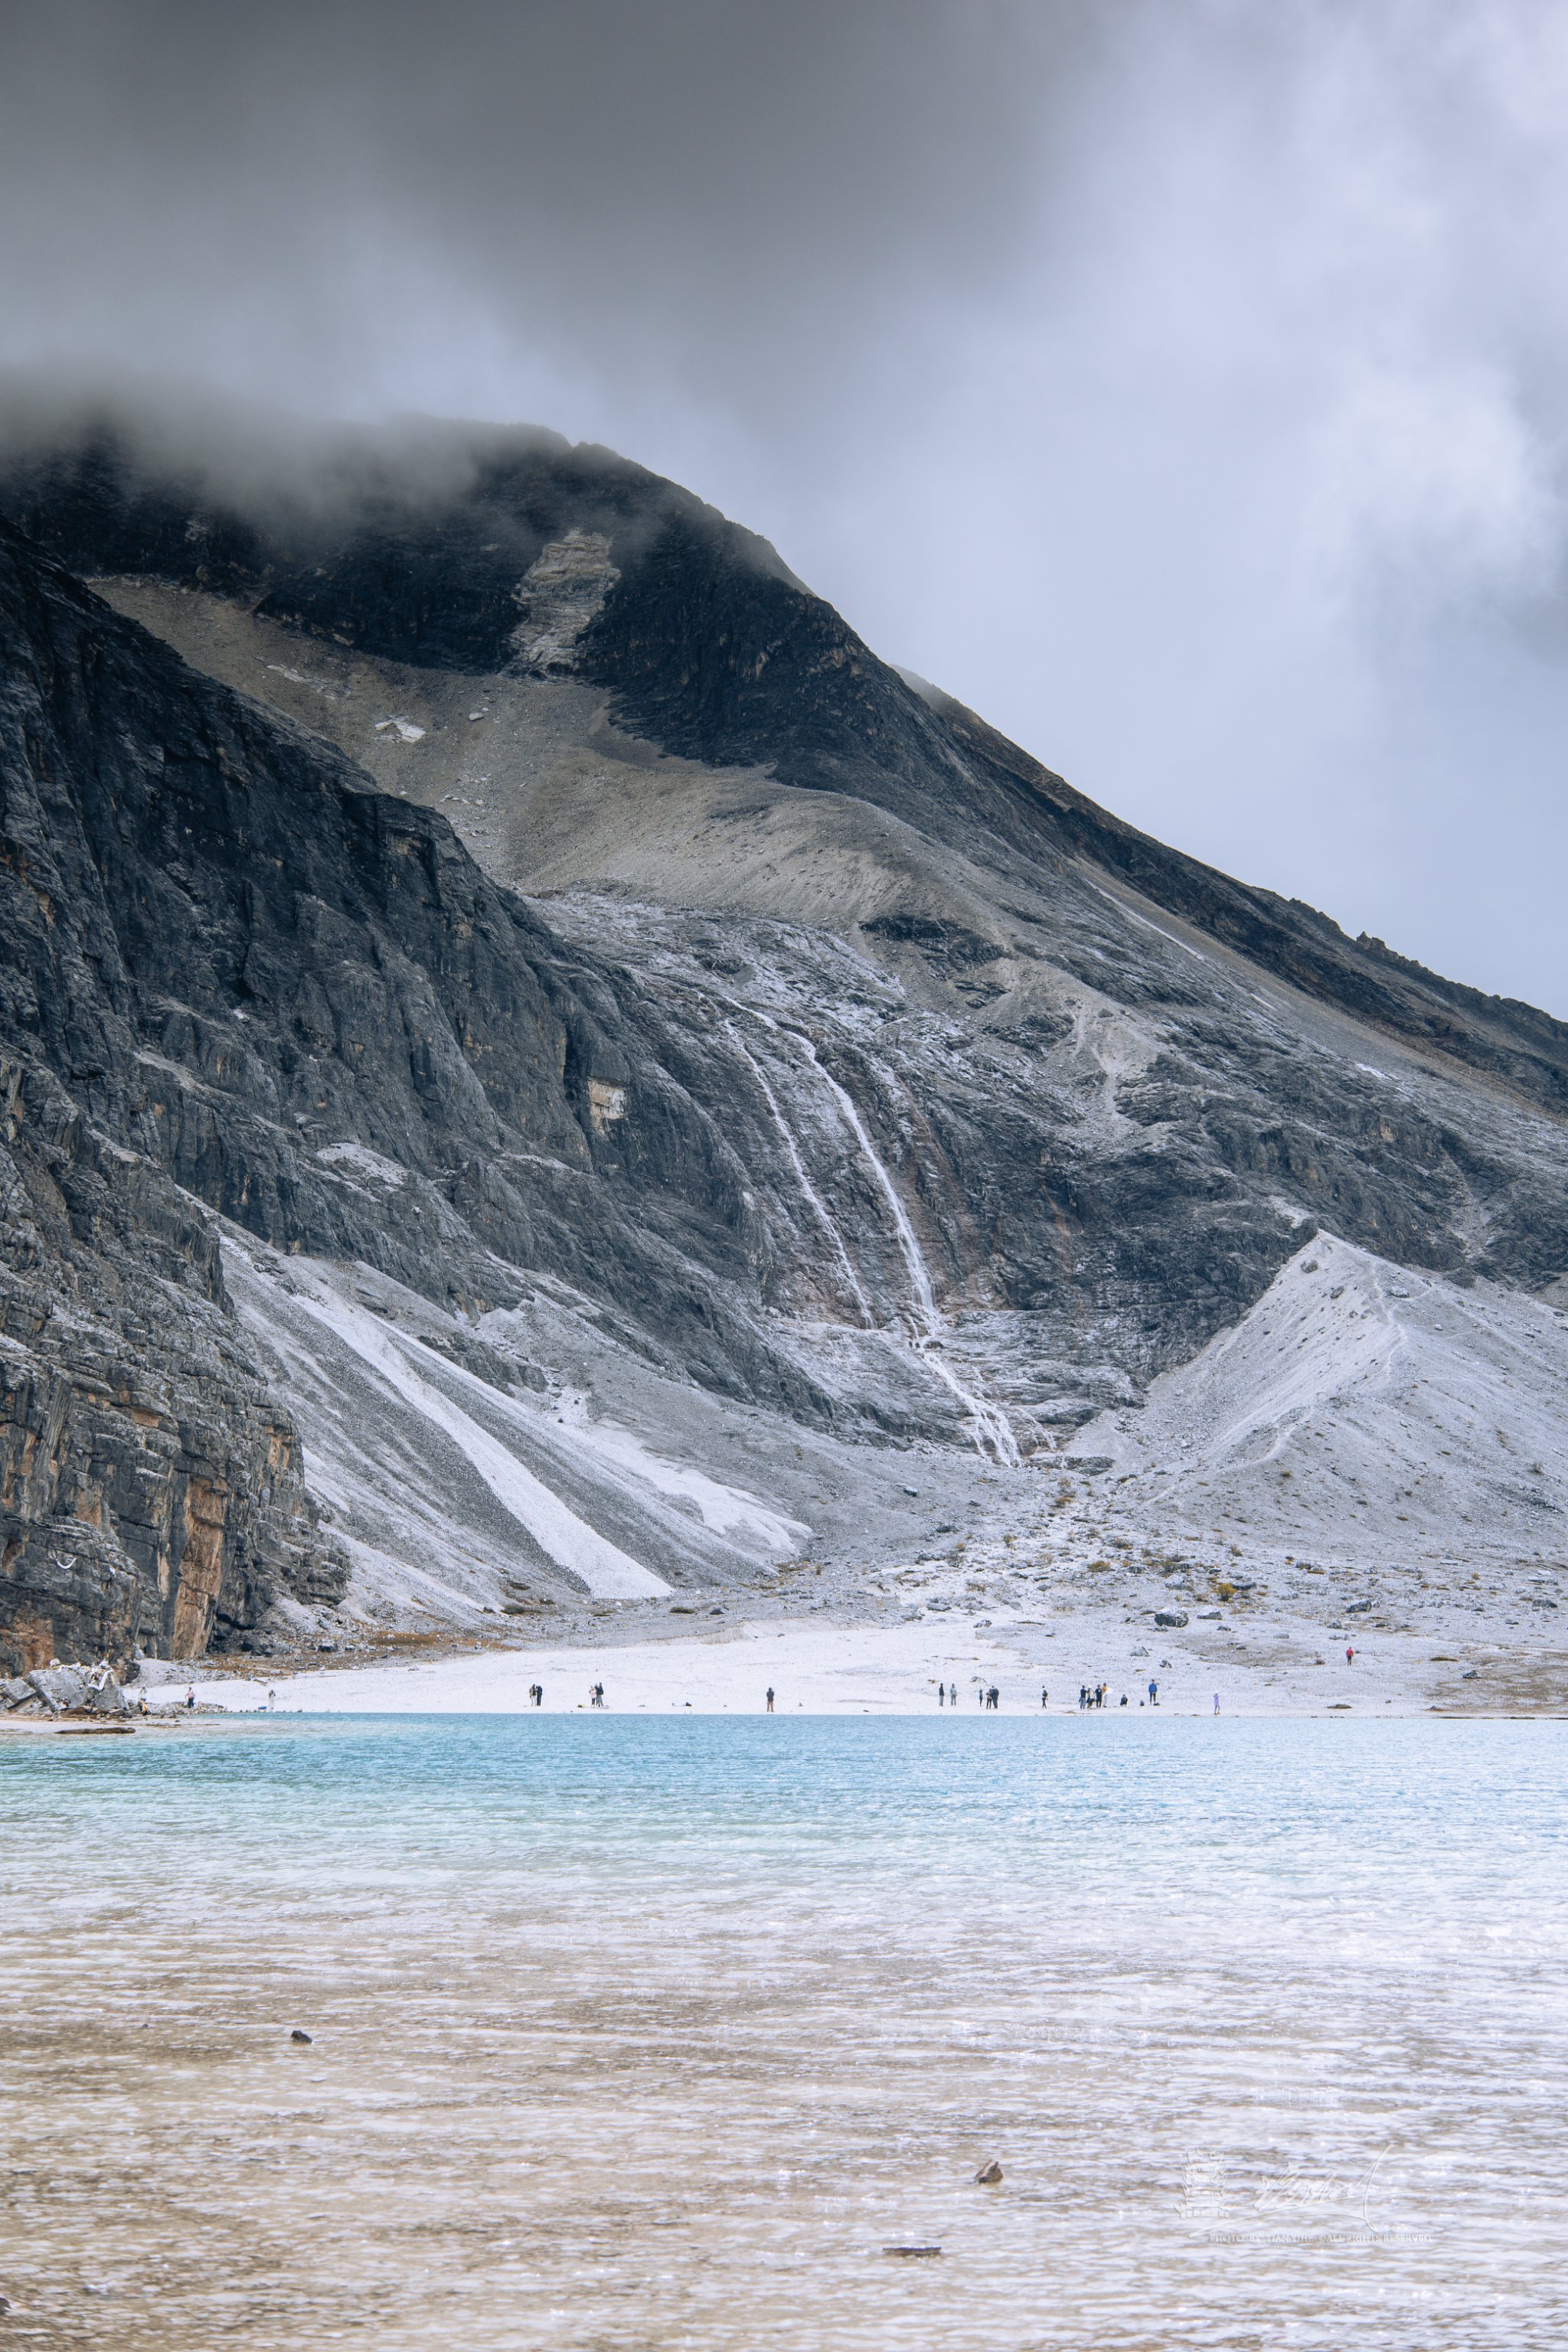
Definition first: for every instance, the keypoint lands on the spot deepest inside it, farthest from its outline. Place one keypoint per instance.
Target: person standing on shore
(770, 1698)
(1217, 1702)
(1154, 1692)
(1045, 1699)
(1350, 1655)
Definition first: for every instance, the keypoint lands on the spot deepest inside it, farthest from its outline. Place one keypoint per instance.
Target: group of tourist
(990, 1696)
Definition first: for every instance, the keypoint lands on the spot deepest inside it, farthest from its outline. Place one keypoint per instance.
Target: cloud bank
(1180, 382)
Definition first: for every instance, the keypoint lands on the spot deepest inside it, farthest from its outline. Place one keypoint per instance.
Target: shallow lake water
(639, 2034)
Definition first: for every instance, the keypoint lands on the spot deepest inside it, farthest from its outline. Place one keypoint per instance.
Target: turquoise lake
(631, 2032)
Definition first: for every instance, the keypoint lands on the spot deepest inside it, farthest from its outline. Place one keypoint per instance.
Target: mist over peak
(1178, 385)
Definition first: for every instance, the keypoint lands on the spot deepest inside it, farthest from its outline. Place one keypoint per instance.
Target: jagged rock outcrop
(150, 1485)
(217, 950)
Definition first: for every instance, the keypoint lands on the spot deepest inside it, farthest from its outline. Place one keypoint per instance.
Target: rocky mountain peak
(613, 1062)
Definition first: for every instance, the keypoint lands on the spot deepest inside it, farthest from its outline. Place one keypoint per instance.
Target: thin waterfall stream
(990, 1430)
(818, 1204)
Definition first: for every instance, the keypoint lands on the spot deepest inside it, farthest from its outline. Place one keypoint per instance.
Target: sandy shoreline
(1279, 1667)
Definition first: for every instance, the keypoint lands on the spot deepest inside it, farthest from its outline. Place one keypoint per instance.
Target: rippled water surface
(636, 2033)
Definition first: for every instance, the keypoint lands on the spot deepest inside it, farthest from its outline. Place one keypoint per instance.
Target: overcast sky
(1182, 384)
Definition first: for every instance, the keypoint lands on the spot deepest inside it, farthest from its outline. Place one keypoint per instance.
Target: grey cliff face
(590, 909)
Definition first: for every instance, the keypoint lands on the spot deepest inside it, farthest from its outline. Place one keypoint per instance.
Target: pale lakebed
(639, 2032)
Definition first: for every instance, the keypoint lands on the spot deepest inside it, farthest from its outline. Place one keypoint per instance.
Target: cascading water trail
(818, 1205)
(927, 1319)
(991, 1428)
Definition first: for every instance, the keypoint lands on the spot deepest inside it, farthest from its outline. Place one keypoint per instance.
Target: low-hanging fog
(1181, 383)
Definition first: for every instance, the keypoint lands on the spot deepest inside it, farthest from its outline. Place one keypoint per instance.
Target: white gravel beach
(1256, 1665)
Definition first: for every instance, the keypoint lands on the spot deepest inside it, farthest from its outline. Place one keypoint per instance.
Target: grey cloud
(707, 188)
(1178, 381)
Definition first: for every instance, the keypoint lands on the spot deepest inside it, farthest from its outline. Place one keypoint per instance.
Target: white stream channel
(818, 1205)
(990, 1430)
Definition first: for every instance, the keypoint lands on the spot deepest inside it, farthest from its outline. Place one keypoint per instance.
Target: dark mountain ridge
(712, 649)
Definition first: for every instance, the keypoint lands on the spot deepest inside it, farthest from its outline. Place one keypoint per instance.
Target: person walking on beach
(770, 1698)
(1350, 1655)
(1154, 1692)
(1217, 1702)
(190, 1695)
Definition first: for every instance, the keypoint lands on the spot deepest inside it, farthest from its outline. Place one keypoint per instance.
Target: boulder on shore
(70, 1689)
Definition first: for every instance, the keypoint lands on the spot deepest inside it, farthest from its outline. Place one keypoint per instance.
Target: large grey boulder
(60, 1686)
(66, 1687)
